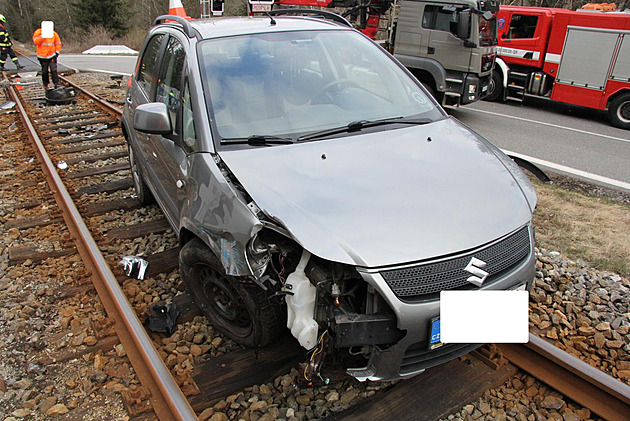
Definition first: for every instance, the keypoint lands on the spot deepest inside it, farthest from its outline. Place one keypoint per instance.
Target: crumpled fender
(213, 212)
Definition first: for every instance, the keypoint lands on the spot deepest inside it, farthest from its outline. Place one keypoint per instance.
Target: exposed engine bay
(331, 310)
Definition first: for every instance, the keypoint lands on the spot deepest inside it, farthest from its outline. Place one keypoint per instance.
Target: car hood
(385, 197)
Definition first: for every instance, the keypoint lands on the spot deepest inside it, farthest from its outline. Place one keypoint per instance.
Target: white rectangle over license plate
(484, 316)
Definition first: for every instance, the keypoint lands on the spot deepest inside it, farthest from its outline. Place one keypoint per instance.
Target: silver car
(315, 185)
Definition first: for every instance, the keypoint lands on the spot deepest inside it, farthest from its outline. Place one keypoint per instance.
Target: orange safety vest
(46, 47)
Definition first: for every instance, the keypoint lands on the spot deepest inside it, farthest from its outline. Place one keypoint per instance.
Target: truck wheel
(438, 96)
(240, 310)
(142, 191)
(495, 87)
(619, 111)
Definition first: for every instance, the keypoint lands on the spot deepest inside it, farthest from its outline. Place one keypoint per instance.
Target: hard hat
(2, 18)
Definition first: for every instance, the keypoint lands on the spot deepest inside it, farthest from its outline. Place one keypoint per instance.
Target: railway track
(195, 372)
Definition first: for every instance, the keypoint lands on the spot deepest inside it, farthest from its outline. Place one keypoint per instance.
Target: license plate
(261, 7)
(434, 339)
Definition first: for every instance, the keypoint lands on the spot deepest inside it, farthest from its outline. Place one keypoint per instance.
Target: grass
(594, 229)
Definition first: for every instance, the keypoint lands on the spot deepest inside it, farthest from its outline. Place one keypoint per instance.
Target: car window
(169, 85)
(290, 83)
(440, 19)
(148, 66)
(522, 26)
(189, 133)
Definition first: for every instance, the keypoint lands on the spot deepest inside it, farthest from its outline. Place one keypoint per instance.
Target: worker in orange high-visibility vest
(48, 48)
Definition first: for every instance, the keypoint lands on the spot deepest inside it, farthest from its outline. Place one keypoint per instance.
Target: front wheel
(237, 308)
(619, 111)
(495, 87)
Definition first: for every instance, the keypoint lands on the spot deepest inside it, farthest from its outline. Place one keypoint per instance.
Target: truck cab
(450, 46)
(523, 35)
(575, 57)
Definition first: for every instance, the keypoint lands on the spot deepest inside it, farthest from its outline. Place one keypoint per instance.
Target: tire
(142, 191)
(238, 309)
(495, 88)
(619, 111)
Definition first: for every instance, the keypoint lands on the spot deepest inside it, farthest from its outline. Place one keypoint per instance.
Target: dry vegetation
(580, 226)
(78, 41)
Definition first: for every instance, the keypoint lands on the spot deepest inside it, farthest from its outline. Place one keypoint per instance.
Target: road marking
(69, 67)
(572, 171)
(551, 125)
(108, 72)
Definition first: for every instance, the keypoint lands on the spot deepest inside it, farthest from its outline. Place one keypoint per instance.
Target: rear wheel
(142, 191)
(619, 111)
(240, 310)
(495, 87)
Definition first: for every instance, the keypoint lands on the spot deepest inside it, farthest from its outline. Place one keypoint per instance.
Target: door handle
(431, 50)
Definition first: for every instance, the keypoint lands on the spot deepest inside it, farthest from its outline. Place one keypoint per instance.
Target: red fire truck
(576, 57)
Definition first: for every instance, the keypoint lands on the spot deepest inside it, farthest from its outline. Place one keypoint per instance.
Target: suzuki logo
(474, 267)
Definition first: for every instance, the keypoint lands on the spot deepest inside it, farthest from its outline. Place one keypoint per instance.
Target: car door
(171, 167)
(141, 91)
(522, 36)
(444, 46)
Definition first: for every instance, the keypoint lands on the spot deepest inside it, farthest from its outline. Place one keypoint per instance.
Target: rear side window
(169, 85)
(189, 133)
(148, 65)
(522, 26)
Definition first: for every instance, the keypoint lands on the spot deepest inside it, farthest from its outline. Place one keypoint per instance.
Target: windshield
(290, 84)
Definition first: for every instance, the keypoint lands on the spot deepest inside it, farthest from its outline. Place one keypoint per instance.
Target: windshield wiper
(258, 140)
(356, 126)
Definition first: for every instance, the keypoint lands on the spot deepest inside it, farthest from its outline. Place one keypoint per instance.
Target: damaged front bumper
(411, 355)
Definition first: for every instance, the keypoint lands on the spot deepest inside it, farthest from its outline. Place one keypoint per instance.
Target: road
(573, 137)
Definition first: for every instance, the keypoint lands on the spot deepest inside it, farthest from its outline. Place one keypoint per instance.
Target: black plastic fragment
(162, 318)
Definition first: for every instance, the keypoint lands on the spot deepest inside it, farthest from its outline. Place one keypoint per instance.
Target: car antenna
(273, 21)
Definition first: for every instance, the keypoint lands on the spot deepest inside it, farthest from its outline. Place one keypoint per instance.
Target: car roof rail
(188, 29)
(312, 12)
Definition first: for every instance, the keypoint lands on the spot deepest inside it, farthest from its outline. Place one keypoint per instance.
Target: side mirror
(463, 25)
(487, 15)
(153, 118)
(504, 35)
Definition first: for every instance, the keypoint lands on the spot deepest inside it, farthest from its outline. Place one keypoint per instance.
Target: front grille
(425, 281)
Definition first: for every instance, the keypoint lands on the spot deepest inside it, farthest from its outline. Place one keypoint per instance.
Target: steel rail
(590, 387)
(167, 399)
(110, 107)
